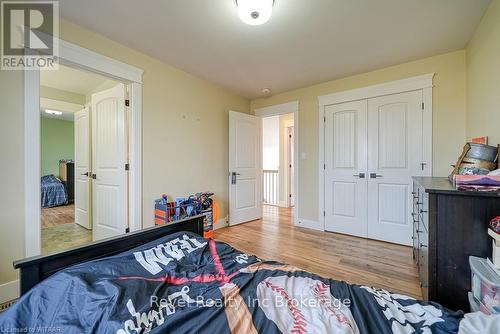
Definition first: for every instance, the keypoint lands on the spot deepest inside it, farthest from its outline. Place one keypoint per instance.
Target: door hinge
(324, 119)
(127, 102)
(324, 166)
(289, 136)
(127, 166)
(423, 106)
(324, 213)
(290, 195)
(290, 165)
(127, 230)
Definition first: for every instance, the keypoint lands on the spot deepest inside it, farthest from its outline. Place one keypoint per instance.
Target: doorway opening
(278, 160)
(73, 118)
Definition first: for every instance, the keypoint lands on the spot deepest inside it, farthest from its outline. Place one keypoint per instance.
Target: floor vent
(6, 305)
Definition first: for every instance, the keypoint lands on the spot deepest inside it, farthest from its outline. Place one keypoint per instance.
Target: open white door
(345, 168)
(109, 156)
(82, 168)
(245, 168)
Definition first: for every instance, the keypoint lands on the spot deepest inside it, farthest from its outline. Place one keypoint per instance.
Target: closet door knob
(375, 175)
(85, 174)
(360, 175)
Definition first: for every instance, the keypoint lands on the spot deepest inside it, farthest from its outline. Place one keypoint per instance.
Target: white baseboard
(220, 223)
(300, 222)
(283, 204)
(9, 291)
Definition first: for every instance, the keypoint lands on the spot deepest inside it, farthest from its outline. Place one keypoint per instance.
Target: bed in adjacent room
(53, 193)
(171, 280)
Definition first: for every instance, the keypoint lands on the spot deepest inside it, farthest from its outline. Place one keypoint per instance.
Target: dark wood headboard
(35, 269)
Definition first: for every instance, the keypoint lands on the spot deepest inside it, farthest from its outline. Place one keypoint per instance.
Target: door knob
(360, 175)
(233, 177)
(375, 175)
(85, 174)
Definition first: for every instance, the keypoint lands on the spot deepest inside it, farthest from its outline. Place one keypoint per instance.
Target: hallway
(337, 256)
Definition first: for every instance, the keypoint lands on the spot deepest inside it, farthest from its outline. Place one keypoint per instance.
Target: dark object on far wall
(449, 225)
(67, 176)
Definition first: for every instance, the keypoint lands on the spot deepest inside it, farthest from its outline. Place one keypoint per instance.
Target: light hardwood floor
(341, 257)
(59, 215)
(59, 231)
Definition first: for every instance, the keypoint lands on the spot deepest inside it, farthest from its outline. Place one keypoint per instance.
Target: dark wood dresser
(67, 176)
(448, 226)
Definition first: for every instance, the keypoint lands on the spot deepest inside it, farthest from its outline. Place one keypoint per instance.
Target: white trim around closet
(392, 87)
(421, 82)
(77, 57)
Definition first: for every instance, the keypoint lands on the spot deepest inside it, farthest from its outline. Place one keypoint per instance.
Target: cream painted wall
(270, 143)
(284, 122)
(448, 121)
(483, 77)
(185, 137)
(11, 173)
(185, 124)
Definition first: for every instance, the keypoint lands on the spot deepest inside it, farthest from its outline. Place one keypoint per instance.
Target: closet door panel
(345, 168)
(394, 156)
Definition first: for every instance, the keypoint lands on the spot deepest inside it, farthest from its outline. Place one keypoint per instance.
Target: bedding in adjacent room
(53, 192)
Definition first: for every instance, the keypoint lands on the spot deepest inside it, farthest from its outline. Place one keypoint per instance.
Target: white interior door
(245, 168)
(394, 156)
(109, 156)
(82, 168)
(345, 168)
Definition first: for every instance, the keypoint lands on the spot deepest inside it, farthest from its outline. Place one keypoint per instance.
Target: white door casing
(394, 155)
(109, 156)
(83, 168)
(245, 168)
(345, 168)
(75, 56)
(291, 165)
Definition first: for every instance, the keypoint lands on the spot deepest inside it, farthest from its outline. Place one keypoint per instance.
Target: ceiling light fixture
(53, 112)
(255, 12)
(266, 91)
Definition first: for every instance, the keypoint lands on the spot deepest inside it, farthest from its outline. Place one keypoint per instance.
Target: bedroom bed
(52, 192)
(169, 279)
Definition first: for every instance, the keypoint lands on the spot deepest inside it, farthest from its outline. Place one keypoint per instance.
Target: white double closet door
(100, 156)
(372, 149)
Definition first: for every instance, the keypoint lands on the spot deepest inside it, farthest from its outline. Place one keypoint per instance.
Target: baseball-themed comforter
(183, 283)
